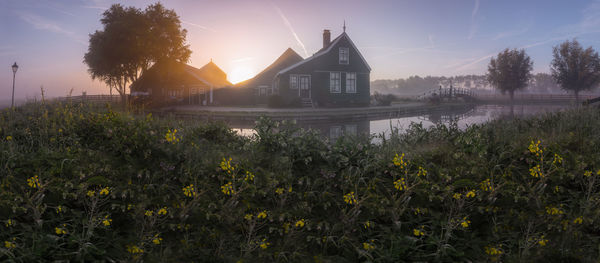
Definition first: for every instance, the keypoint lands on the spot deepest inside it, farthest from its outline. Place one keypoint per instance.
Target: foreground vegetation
(84, 183)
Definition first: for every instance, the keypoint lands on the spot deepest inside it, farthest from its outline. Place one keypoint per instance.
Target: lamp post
(14, 68)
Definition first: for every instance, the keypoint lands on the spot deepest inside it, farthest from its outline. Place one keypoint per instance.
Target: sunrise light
(240, 73)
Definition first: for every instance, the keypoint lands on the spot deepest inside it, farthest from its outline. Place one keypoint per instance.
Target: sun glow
(240, 73)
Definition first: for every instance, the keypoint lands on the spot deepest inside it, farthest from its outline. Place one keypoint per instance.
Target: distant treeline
(414, 85)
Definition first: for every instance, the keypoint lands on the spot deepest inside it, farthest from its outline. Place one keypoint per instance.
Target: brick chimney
(326, 38)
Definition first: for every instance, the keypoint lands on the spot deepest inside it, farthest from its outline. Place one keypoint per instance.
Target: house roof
(326, 50)
(210, 73)
(169, 71)
(265, 77)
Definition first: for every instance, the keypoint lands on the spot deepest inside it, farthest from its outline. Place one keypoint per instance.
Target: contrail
(198, 26)
(289, 26)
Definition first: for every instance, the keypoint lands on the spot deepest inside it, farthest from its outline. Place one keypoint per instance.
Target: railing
(447, 93)
(534, 97)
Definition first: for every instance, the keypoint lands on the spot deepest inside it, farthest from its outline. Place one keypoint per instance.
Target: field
(85, 183)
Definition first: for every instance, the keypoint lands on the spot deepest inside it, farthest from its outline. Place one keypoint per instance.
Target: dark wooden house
(262, 84)
(171, 82)
(337, 75)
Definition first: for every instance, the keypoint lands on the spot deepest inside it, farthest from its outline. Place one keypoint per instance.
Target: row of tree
(131, 41)
(573, 68)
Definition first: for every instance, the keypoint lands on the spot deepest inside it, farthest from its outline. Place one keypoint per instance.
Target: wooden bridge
(448, 93)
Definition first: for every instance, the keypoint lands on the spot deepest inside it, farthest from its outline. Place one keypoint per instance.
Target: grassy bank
(85, 183)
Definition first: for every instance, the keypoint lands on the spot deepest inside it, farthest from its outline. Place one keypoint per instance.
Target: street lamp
(14, 68)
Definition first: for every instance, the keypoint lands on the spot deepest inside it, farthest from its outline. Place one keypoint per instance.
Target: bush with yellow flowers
(86, 183)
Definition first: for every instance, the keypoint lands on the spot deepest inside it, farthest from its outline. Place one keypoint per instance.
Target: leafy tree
(510, 71)
(131, 41)
(574, 68)
(543, 83)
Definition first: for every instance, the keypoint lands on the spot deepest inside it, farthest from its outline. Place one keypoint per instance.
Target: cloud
(41, 23)
(198, 26)
(289, 26)
(474, 24)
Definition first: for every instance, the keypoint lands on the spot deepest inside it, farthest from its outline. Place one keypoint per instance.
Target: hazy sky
(48, 38)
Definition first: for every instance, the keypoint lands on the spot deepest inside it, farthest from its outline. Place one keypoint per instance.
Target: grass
(86, 183)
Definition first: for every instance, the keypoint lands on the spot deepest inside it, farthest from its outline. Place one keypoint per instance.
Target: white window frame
(351, 88)
(294, 81)
(344, 56)
(335, 84)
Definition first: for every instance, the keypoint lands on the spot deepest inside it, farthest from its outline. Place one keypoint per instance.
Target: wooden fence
(91, 98)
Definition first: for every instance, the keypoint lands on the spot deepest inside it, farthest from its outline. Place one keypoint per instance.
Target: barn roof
(169, 71)
(265, 77)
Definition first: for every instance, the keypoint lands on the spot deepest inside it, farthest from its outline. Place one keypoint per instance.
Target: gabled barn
(171, 82)
(262, 83)
(337, 75)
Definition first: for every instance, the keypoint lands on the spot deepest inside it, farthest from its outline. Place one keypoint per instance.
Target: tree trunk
(512, 96)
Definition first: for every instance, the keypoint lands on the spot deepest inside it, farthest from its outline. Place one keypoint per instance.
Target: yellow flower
(149, 213)
(486, 185)
(9, 138)
(106, 221)
(162, 211)
(587, 173)
(227, 189)
(171, 136)
(262, 215)
(553, 210)
(133, 249)
(349, 198)
(535, 148)
(367, 224)
(457, 196)
(286, 227)
(578, 220)
(536, 171)
(9, 245)
(157, 240)
(60, 231)
(399, 161)
(279, 190)
(492, 251)
(91, 193)
(300, 223)
(264, 244)
(368, 246)
(104, 191)
(400, 184)
(226, 166)
(248, 217)
(542, 242)
(418, 232)
(465, 222)
(34, 182)
(422, 171)
(470, 194)
(59, 209)
(129, 207)
(9, 223)
(557, 159)
(249, 176)
(189, 191)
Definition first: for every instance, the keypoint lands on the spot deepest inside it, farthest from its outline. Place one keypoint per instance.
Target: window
(293, 81)
(334, 82)
(344, 55)
(350, 82)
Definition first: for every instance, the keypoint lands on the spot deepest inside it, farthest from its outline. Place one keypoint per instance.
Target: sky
(48, 38)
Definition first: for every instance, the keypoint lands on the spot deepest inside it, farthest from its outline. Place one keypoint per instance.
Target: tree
(574, 68)
(131, 41)
(510, 71)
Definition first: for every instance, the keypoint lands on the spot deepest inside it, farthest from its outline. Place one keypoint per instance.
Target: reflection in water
(463, 117)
